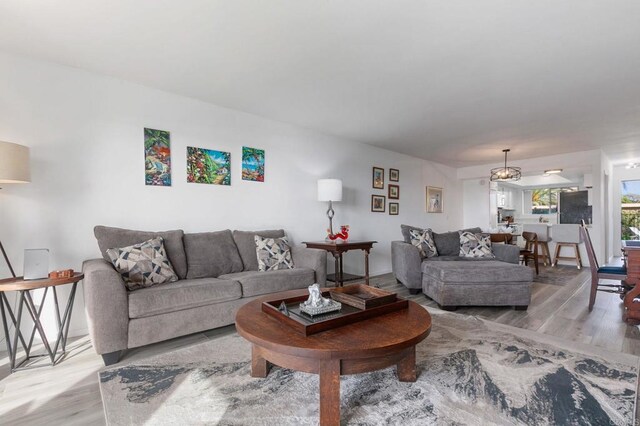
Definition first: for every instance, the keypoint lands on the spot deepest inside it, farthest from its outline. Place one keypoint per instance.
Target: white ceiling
(453, 81)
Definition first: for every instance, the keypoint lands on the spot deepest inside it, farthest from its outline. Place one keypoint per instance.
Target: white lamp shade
(329, 190)
(14, 163)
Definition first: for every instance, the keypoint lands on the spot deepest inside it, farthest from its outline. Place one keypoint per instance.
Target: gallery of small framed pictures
(204, 165)
(378, 201)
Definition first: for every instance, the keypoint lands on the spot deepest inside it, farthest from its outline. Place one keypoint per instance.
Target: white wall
(86, 137)
(476, 203)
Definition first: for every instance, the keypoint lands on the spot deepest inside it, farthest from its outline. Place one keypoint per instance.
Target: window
(545, 200)
(630, 206)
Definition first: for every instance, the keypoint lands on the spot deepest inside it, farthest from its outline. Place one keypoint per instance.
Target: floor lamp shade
(329, 190)
(14, 163)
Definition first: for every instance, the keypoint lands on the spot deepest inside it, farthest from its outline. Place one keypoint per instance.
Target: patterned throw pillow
(143, 265)
(273, 253)
(423, 239)
(475, 245)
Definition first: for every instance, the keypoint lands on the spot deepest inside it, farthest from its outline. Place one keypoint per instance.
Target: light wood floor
(69, 394)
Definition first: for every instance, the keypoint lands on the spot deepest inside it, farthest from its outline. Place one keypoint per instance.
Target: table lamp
(330, 190)
(14, 168)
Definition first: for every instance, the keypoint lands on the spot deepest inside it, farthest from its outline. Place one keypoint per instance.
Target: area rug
(556, 275)
(471, 372)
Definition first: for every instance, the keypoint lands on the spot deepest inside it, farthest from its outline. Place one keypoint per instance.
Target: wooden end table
(26, 300)
(364, 346)
(336, 249)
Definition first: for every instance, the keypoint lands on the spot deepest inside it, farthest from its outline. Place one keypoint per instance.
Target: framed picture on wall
(394, 209)
(378, 178)
(434, 199)
(157, 157)
(378, 203)
(394, 192)
(394, 175)
(208, 166)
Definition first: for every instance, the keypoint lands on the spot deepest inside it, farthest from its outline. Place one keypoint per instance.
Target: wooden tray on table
(307, 325)
(362, 296)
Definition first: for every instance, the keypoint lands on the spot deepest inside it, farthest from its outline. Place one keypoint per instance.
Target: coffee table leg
(407, 367)
(259, 365)
(330, 392)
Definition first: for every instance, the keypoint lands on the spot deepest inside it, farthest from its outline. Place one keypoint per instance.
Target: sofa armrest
(506, 252)
(106, 306)
(406, 264)
(315, 259)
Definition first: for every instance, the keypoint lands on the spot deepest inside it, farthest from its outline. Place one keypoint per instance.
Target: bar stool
(567, 236)
(542, 230)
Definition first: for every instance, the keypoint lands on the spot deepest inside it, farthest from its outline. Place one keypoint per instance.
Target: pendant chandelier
(501, 174)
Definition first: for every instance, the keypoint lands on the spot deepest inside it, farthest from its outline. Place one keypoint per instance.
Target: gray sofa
(451, 280)
(217, 271)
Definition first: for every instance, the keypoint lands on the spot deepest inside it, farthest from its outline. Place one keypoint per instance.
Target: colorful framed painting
(394, 175)
(394, 209)
(157, 157)
(434, 199)
(378, 203)
(208, 166)
(394, 192)
(378, 178)
(253, 164)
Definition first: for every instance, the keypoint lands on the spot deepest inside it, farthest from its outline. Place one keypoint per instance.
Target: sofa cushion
(109, 237)
(406, 232)
(453, 259)
(256, 283)
(210, 254)
(143, 265)
(475, 245)
(247, 245)
(273, 253)
(485, 271)
(448, 243)
(423, 239)
(184, 294)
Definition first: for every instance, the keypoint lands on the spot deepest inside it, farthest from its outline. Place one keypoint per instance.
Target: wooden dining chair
(530, 250)
(501, 237)
(616, 273)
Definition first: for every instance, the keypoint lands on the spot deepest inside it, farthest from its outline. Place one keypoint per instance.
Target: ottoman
(477, 283)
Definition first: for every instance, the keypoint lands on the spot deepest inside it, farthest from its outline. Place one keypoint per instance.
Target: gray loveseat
(451, 280)
(217, 271)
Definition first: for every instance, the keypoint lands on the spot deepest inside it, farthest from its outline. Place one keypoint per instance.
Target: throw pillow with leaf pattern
(273, 253)
(475, 245)
(143, 265)
(423, 239)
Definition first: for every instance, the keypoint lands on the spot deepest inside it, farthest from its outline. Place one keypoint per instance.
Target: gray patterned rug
(556, 275)
(471, 372)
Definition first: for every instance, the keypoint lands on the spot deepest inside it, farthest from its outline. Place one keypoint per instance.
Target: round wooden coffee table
(360, 347)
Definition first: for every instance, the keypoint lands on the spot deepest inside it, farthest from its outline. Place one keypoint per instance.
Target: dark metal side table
(56, 351)
(336, 249)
